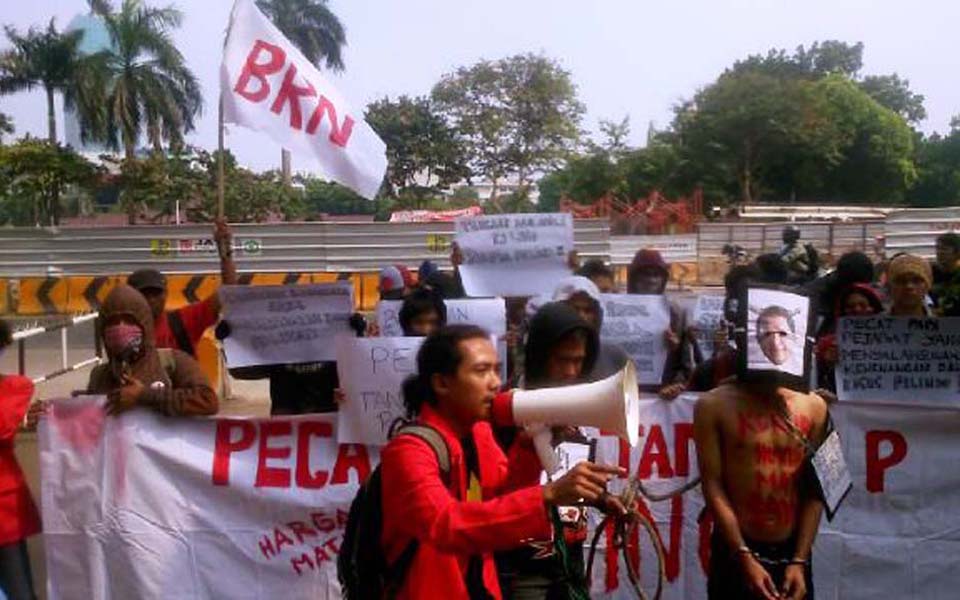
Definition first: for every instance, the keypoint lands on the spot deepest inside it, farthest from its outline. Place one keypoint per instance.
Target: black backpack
(361, 565)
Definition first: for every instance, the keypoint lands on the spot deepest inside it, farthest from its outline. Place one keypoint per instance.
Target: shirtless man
(752, 468)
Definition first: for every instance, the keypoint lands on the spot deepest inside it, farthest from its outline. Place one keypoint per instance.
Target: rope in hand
(624, 526)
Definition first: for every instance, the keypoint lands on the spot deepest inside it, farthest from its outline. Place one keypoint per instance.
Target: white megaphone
(611, 404)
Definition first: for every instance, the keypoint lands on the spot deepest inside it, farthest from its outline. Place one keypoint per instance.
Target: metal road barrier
(325, 247)
(833, 238)
(916, 230)
(21, 337)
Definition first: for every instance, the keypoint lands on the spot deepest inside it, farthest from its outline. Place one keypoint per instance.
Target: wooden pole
(222, 158)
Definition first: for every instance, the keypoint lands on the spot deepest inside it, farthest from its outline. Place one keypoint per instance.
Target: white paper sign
(371, 373)
(638, 323)
(707, 317)
(899, 360)
(514, 255)
(488, 313)
(388, 318)
(268, 85)
(285, 324)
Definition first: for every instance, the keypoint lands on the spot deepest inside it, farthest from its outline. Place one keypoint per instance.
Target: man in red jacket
(485, 508)
(19, 518)
(182, 328)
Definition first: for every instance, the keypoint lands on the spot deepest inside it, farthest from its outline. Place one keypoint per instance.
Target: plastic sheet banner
(144, 506)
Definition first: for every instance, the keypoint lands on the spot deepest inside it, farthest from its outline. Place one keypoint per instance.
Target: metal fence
(758, 238)
(21, 337)
(313, 247)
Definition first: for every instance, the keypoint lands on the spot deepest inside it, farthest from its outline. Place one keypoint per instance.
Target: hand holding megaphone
(611, 404)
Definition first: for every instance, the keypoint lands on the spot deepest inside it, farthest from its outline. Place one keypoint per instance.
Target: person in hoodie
(856, 300)
(582, 295)
(648, 275)
(137, 374)
(561, 349)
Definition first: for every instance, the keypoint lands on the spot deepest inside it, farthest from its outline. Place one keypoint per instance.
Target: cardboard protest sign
(488, 313)
(899, 360)
(285, 324)
(371, 372)
(707, 317)
(772, 343)
(514, 255)
(638, 323)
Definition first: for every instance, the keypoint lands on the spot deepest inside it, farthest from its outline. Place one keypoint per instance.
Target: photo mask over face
(773, 325)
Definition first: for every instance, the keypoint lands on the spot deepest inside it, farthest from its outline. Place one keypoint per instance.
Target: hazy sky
(627, 57)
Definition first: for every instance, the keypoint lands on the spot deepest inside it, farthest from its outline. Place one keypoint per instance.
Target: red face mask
(123, 340)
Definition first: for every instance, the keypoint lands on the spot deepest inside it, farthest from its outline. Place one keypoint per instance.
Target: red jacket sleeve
(522, 466)
(197, 317)
(423, 508)
(16, 391)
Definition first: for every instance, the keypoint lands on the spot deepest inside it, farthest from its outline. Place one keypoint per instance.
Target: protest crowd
(459, 506)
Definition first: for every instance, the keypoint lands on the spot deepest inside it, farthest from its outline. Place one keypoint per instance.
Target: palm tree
(43, 58)
(144, 81)
(313, 28)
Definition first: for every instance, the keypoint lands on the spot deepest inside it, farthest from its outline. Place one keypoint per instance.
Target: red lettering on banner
(268, 59)
(322, 522)
(671, 552)
(304, 559)
(331, 544)
(705, 526)
(655, 453)
(224, 446)
(877, 466)
(266, 547)
(251, 68)
(320, 555)
(272, 476)
(682, 437)
(339, 135)
(290, 93)
(305, 478)
(280, 538)
(351, 456)
(301, 530)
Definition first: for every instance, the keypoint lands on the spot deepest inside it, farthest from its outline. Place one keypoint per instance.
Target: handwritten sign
(283, 324)
(707, 316)
(388, 318)
(637, 323)
(371, 372)
(899, 360)
(514, 255)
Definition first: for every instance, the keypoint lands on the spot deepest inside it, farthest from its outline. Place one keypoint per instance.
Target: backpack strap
(179, 331)
(435, 440)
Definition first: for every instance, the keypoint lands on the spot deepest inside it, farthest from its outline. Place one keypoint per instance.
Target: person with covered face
(137, 373)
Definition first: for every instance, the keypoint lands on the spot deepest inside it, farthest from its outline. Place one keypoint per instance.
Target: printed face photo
(776, 326)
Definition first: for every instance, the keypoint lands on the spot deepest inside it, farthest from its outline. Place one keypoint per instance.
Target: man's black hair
(595, 267)
(439, 355)
(6, 334)
(951, 238)
(854, 267)
(418, 303)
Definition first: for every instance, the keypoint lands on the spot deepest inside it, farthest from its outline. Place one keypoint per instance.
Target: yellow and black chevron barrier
(33, 296)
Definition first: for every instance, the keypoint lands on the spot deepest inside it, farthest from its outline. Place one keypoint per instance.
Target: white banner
(145, 506)
(285, 324)
(899, 359)
(637, 323)
(268, 85)
(488, 313)
(371, 373)
(514, 255)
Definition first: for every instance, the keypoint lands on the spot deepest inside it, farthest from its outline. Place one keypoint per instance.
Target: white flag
(269, 85)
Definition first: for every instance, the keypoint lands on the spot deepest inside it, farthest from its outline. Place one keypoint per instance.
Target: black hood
(551, 323)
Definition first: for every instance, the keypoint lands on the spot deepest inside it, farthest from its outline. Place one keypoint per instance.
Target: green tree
(938, 170)
(47, 59)
(312, 27)
(332, 198)
(6, 126)
(419, 142)
(34, 174)
(518, 115)
(894, 93)
(144, 82)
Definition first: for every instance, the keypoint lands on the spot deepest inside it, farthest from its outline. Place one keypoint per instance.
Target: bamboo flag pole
(222, 158)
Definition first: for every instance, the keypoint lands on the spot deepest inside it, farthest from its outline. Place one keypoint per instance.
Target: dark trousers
(16, 580)
(725, 580)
